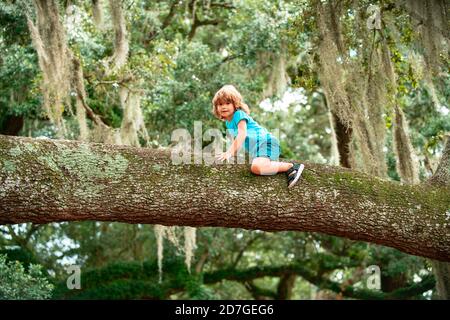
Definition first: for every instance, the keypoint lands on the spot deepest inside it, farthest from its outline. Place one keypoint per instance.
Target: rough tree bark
(442, 269)
(43, 180)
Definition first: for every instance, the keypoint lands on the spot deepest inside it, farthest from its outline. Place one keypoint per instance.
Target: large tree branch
(43, 180)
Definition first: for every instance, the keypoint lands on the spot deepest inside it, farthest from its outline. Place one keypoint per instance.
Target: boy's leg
(264, 166)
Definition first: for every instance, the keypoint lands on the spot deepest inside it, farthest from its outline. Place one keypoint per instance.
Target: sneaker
(293, 174)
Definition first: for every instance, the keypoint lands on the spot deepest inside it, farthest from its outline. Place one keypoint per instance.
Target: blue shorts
(268, 147)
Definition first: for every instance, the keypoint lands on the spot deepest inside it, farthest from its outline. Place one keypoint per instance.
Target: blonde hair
(228, 94)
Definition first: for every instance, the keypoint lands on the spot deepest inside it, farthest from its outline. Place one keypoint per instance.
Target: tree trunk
(441, 272)
(344, 139)
(43, 180)
(285, 286)
(441, 177)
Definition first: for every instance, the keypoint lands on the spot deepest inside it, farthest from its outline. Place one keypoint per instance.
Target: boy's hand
(224, 156)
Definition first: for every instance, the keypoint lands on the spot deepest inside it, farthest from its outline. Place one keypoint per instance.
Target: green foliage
(25, 257)
(19, 95)
(136, 280)
(13, 24)
(17, 284)
(196, 290)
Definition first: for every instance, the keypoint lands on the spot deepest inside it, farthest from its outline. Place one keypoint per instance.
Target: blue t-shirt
(256, 134)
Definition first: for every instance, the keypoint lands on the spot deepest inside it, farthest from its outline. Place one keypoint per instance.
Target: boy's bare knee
(255, 168)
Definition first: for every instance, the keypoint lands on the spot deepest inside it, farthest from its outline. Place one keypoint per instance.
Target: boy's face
(226, 110)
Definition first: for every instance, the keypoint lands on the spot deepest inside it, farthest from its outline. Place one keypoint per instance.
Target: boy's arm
(237, 143)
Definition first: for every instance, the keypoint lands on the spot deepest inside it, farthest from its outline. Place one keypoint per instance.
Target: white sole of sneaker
(297, 176)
